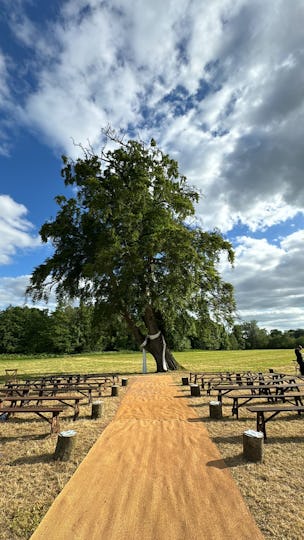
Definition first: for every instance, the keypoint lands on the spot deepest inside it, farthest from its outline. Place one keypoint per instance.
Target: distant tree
(298, 333)
(238, 337)
(124, 242)
(253, 336)
(12, 329)
(62, 331)
(36, 333)
(23, 330)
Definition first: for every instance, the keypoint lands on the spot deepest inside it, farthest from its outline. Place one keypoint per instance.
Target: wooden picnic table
(73, 378)
(250, 378)
(219, 376)
(260, 411)
(265, 389)
(40, 411)
(239, 400)
(69, 400)
(54, 389)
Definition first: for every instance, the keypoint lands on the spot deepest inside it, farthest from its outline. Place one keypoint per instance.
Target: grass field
(30, 479)
(131, 362)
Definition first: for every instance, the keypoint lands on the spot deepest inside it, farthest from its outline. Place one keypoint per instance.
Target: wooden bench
(69, 400)
(40, 411)
(292, 397)
(256, 389)
(75, 378)
(55, 389)
(83, 389)
(260, 411)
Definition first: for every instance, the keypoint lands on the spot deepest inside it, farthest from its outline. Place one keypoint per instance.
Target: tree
(254, 337)
(124, 242)
(12, 329)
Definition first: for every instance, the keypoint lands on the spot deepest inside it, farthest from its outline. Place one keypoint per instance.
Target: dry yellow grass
(273, 490)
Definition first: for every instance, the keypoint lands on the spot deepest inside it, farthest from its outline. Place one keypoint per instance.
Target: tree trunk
(154, 346)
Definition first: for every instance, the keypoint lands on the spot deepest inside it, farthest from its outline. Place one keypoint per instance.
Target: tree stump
(185, 381)
(124, 382)
(215, 409)
(65, 445)
(195, 390)
(253, 445)
(96, 409)
(114, 390)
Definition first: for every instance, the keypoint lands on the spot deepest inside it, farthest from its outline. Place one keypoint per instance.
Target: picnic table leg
(235, 409)
(76, 409)
(261, 426)
(55, 428)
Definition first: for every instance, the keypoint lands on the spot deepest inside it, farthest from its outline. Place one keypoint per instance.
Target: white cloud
(218, 84)
(268, 281)
(12, 293)
(4, 105)
(15, 229)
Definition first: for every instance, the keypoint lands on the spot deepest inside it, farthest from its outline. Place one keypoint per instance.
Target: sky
(218, 84)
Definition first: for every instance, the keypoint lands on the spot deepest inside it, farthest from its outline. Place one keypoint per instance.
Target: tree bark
(153, 346)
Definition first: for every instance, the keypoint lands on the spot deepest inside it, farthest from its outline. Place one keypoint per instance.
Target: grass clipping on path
(29, 477)
(273, 489)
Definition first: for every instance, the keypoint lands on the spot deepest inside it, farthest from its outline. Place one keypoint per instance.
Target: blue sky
(218, 84)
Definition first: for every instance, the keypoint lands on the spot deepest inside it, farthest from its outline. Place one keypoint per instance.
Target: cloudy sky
(218, 83)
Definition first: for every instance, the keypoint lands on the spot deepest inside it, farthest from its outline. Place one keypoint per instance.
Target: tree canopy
(126, 240)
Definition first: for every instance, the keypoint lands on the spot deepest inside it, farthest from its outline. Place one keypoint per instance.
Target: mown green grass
(131, 362)
(255, 360)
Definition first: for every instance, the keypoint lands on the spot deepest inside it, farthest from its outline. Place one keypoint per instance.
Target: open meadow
(31, 479)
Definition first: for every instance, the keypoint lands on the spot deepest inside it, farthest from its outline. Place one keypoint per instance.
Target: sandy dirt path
(153, 474)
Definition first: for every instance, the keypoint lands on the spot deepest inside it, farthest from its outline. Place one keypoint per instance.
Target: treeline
(67, 330)
(70, 330)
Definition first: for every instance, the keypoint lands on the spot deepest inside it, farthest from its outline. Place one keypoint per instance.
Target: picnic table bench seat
(68, 400)
(73, 378)
(239, 400)
(266, 389)
(54, 389)
(40, 411)
(260, 411)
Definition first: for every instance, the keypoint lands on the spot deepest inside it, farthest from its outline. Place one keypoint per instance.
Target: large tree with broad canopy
(126, 240)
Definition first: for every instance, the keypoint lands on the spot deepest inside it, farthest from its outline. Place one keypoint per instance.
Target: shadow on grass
(33, 460)
(199, 405)
(283, 440)
(225, 419)
(233, 439)
(228, 462)
(30, 437)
